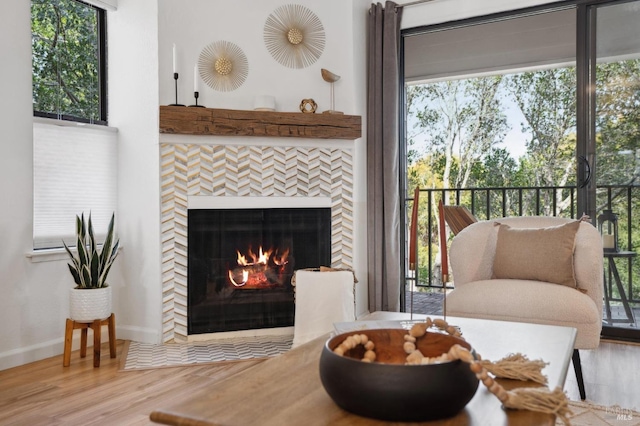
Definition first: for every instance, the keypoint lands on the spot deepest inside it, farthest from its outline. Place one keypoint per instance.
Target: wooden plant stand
(96, 326)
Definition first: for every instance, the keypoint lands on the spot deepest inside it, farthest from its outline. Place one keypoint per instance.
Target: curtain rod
(413, 3)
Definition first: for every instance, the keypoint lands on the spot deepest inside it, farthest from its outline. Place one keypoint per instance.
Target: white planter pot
(89, 304)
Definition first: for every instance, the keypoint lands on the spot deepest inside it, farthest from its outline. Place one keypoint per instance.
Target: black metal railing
(491, 203)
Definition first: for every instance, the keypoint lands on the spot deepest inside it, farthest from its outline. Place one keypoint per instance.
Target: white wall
(34, 295)
(133, 109)
(34, 301)
(241, 22)
(360, 19)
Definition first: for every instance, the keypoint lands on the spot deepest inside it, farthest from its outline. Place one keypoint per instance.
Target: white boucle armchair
(477, 294)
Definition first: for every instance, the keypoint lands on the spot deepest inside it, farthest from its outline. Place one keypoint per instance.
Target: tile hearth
(143, 355)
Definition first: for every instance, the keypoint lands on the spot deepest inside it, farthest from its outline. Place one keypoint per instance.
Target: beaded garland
(514, 367)
(355, 340)
(418, 330)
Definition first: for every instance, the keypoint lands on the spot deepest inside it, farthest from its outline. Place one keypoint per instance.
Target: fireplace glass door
(241, 261)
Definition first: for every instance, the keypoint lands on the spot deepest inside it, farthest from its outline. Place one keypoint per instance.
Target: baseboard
(51, 348)
(138, 334)
(25, 355)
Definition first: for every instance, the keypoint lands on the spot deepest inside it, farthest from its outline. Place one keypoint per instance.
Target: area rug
(141, 356)
(589, 414)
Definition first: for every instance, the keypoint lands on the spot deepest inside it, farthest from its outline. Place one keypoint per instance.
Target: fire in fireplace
(241, 261)
(264, 269)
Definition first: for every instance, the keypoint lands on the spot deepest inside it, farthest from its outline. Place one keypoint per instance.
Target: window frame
(101, 18)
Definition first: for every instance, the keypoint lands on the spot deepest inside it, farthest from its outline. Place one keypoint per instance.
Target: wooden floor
(611, 375)
(46, 393)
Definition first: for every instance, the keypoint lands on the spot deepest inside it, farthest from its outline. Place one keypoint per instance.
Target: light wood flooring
(611, 375)
(46, 393)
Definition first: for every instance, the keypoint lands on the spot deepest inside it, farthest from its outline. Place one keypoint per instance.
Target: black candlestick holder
(175, 78)
(196, 95)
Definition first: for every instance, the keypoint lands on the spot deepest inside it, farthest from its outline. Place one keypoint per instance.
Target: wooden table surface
(286, 390)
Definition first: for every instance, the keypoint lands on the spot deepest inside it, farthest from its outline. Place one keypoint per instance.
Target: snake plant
(91, 265)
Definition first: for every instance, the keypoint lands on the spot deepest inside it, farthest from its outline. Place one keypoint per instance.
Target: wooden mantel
(228, 122)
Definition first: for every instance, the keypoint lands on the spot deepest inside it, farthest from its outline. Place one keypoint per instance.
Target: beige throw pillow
(541, 254)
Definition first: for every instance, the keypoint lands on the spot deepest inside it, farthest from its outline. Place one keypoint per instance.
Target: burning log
(264, 269)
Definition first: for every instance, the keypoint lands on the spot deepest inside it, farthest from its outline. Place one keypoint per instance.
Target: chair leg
(578, 369)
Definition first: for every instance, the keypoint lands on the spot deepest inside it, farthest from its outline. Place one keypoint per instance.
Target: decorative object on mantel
(264, 103)
(196, 92)
(196, 95)
(223, 66)
(330, 77)
(91, 298)
(308, 106)
(228, 122)
(175, 75)
(294, 36)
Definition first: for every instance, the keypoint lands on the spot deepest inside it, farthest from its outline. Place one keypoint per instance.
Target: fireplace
(209, 176)
(241, 261)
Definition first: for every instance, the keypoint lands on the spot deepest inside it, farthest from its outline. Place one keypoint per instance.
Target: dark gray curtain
(383, 150)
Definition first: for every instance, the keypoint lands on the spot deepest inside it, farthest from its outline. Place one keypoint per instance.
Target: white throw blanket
(322, 298)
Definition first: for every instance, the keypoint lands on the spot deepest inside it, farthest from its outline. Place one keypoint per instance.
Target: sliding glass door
(532, 112)
(612, 62)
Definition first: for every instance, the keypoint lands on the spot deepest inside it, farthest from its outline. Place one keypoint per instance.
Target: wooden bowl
(387, 389)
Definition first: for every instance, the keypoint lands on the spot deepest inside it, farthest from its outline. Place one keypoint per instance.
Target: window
(69, 60)
(75, 164)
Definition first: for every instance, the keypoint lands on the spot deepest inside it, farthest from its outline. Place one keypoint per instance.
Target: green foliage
(91, 266)
(460, 120)
(64, 42)
(618, 122)
(547, 99)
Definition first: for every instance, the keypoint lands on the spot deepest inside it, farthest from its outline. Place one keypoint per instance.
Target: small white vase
(89, 304)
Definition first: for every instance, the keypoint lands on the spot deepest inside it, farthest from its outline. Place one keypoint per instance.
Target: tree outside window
(66, 40)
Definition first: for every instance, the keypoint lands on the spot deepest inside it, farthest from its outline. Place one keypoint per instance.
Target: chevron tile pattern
(144, 356)
(244, 171)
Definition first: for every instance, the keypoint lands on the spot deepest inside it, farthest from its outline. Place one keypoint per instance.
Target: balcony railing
(491, 203)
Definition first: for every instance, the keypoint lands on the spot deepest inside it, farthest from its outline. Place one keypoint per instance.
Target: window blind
(523, 43)
(74, 172)
(529, 42)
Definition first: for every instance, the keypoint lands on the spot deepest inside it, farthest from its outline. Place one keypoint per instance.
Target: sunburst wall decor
(294, 36)
(223, 66)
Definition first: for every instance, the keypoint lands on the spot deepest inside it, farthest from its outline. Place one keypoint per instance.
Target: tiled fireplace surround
(191, 170)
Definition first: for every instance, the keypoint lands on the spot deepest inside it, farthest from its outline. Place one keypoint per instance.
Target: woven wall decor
(294, 36)
(223, 66)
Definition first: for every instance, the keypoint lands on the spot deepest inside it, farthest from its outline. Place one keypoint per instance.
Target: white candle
(174, 59)
(195, 78)
(264, 103)
(608, 241)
